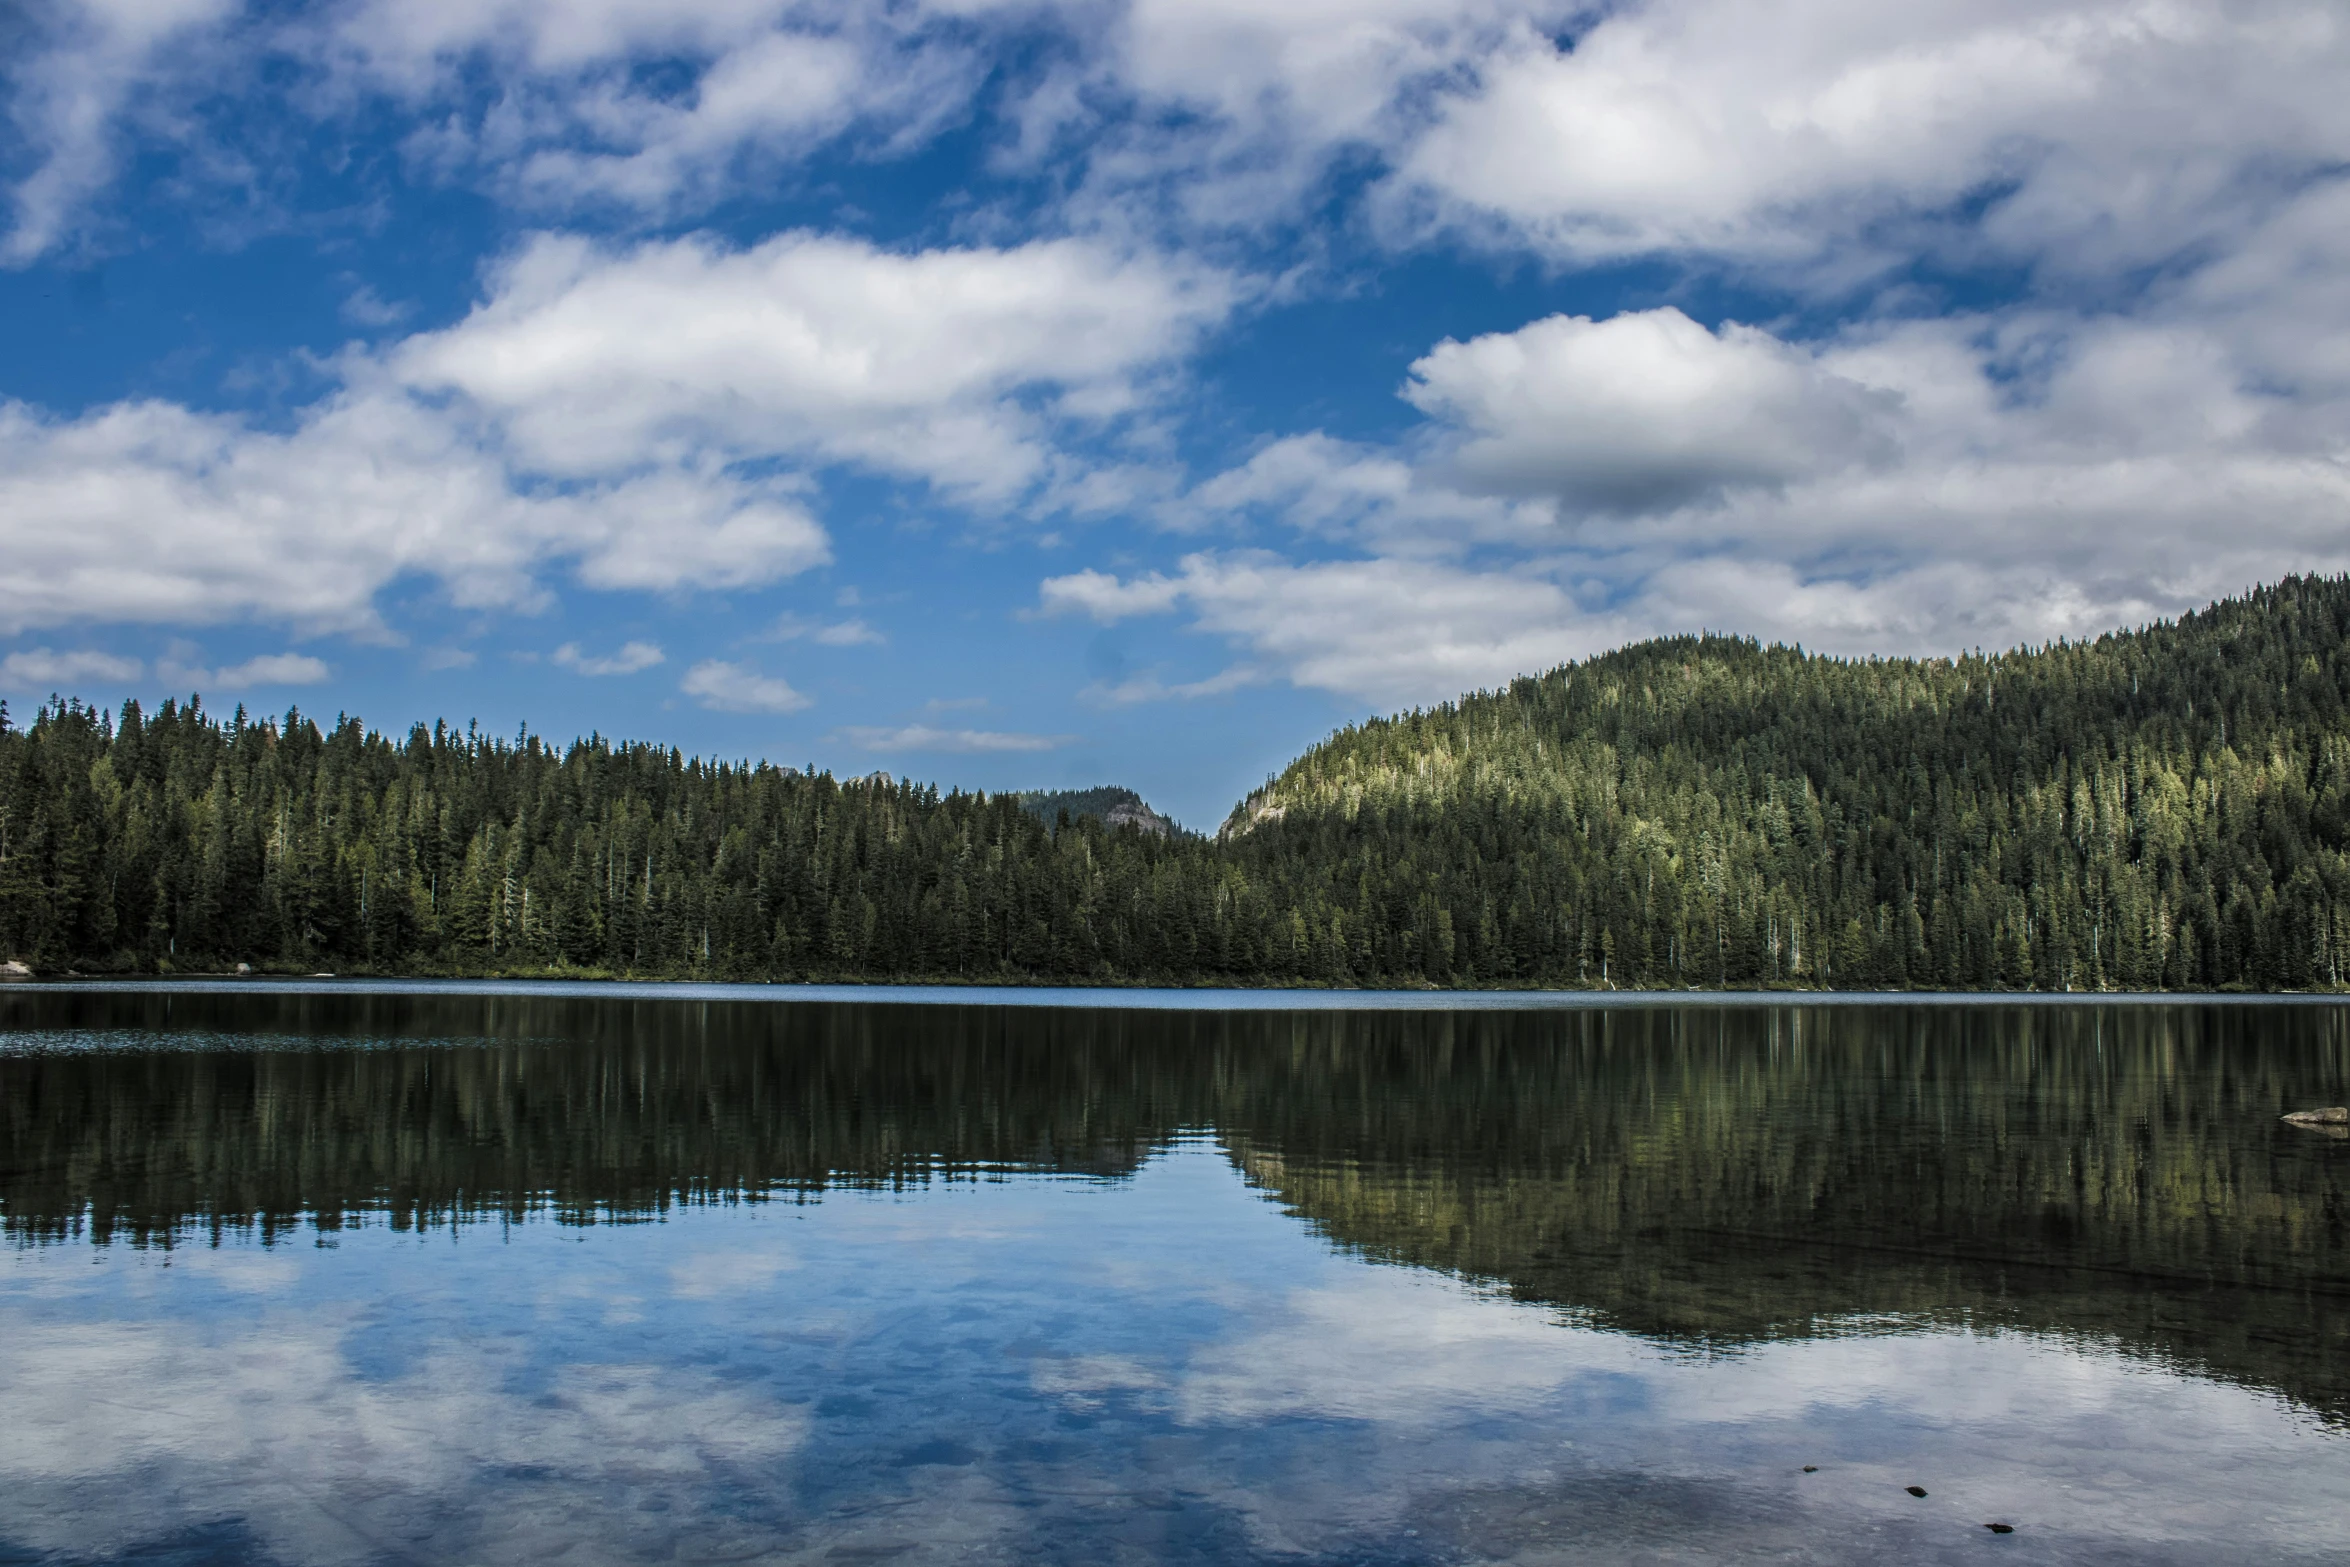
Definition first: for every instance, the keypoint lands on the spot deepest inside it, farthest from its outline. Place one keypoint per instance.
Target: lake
(374, 1274)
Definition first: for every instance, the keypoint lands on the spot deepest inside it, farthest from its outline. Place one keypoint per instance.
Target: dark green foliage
(2157, 809)
(2163, 809)
(178, 840)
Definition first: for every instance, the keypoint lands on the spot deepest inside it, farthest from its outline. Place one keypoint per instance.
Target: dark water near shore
(598, 1276)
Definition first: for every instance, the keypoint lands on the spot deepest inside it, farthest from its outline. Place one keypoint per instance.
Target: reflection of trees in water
(1717, 1178)
(1706, 1176)
(504, 1107)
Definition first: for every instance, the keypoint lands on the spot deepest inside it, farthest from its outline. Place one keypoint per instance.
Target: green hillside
(2163, 808)
(2155, 809)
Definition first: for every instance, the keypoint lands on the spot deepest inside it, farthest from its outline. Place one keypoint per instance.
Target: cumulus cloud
(917, 364)
(1908, 484)
(2149, 413)
(2103, 133)
(737, 688)
(1644, 411)
(1835, 136)
(623, 411)
(152, 512)
(926, 737)
(632, 657)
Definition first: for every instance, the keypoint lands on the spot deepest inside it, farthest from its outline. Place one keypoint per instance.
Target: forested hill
(2163, 808)
(2160, 808)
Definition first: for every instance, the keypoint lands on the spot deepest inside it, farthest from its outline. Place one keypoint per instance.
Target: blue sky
(1043, 394)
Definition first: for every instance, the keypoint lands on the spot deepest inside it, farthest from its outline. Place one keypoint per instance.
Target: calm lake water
(361, 1276)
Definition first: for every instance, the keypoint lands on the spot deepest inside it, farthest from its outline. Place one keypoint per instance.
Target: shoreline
(1137, 997)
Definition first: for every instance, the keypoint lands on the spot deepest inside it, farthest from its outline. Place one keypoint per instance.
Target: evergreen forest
(2166, 808)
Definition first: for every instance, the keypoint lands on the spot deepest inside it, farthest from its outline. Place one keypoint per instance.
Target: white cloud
(1643, 411)
(925, 737)
(632, 657)
(853, 632)
(602, 397)
(281, 1403)
(269, 669)
(1897, 485)
(80, 64)
(1149, 687)
(773, 97)
(364, 307)
(2105, 134)
(1238, 109)
(1106, 598)
(2158, 420)
(1349, 491)
(744, 86)
(692, 527)
(736, 688)
(152, 512)
(51, 669)
(922, 364)
(2086, 136)
(1385, 630)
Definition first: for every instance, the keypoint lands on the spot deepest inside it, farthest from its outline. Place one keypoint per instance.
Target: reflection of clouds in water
(1079, 1380)
(1384, 1344)
(328, 1468)
(1448, 1387)
(713, 1275)
(246, 1272)
(1170, 1370)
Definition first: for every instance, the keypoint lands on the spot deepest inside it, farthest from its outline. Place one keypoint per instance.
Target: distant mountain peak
(1109, 804)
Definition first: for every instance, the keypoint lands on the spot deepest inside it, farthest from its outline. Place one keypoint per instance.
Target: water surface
(352, 1276)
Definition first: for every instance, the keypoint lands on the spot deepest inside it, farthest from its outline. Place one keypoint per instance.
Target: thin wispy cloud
(853, 632)
(45, 669)
(631, 658)
(268, 669)
(964, 742)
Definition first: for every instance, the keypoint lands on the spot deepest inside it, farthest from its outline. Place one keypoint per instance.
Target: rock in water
(2339, 1115)
(1915, 1490)
(2000, 1528)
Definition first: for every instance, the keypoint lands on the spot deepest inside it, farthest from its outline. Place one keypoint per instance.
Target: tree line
(2164, 808)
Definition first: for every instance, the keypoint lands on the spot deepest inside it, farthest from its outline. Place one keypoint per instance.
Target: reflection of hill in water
(1718, 1179)
(1703, 1176)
